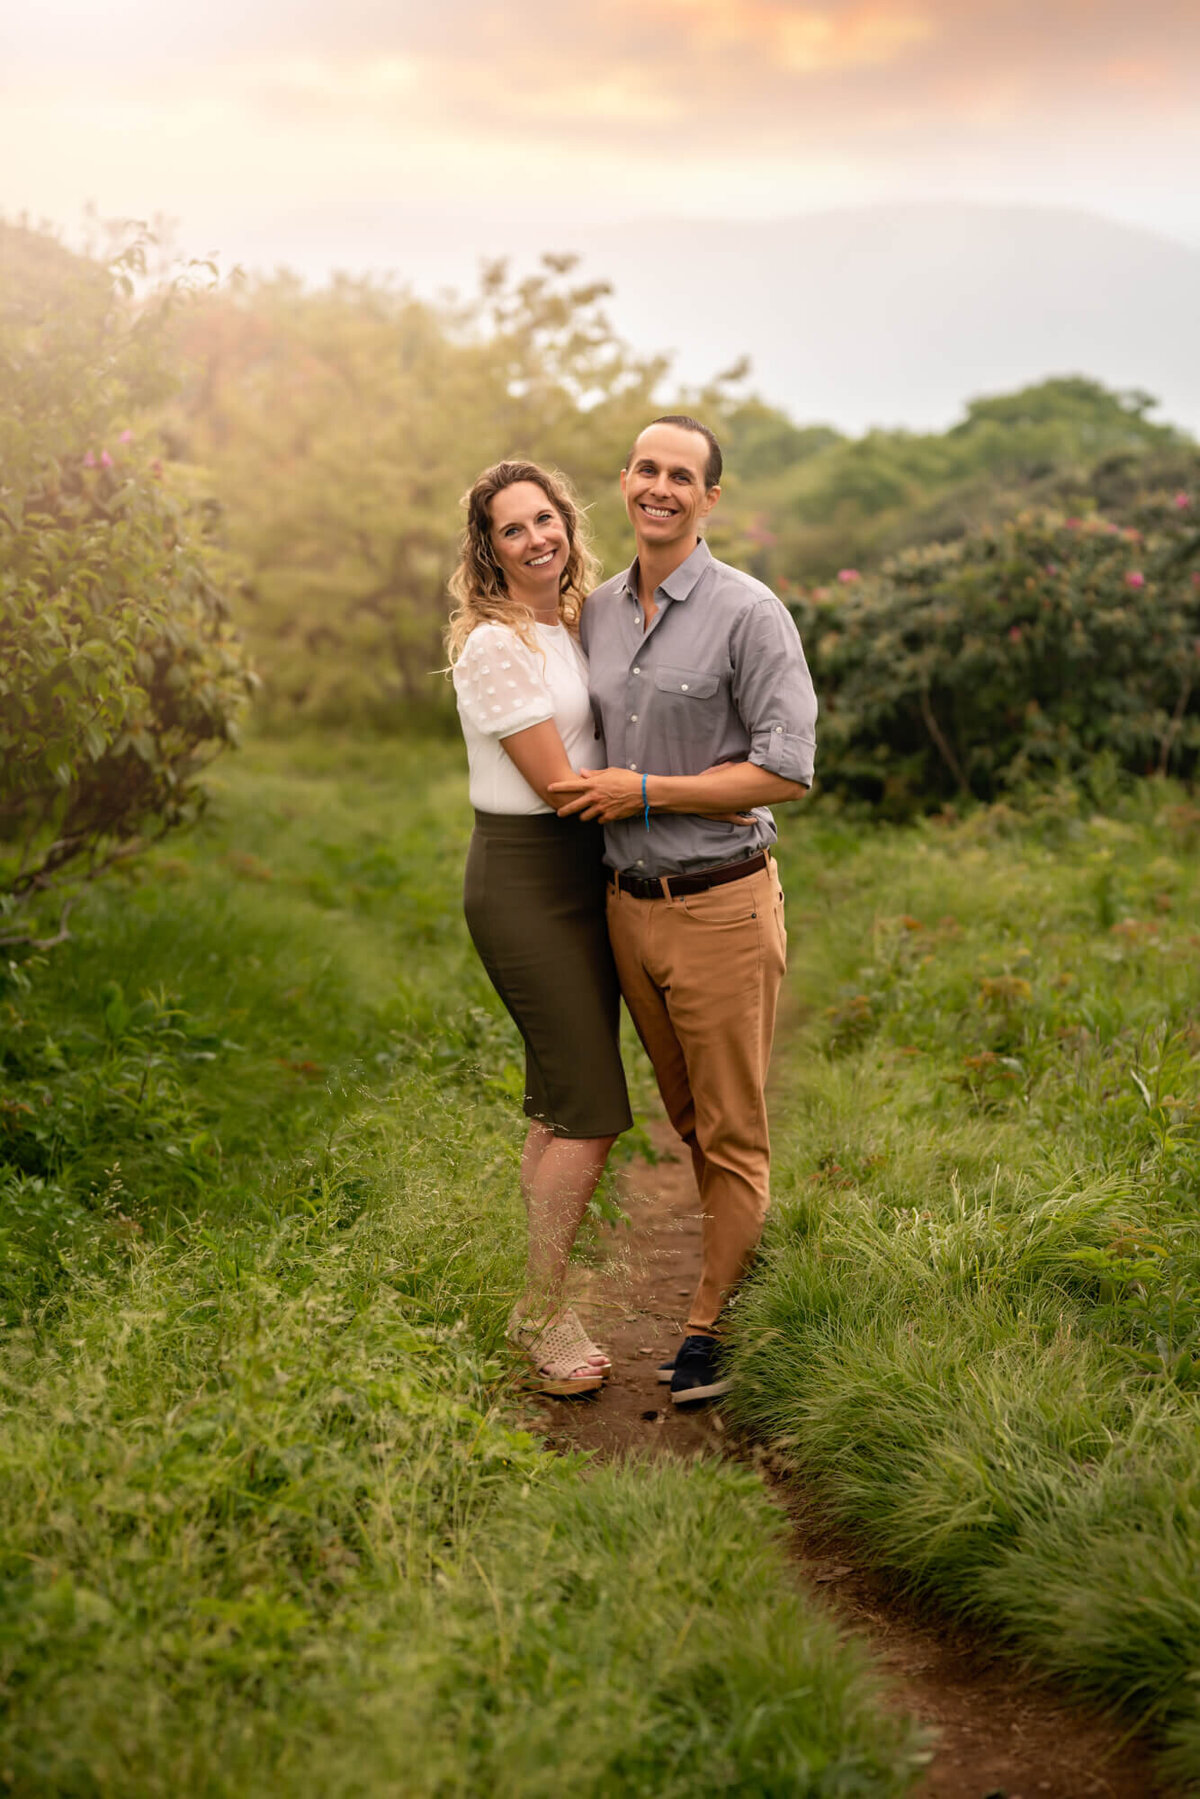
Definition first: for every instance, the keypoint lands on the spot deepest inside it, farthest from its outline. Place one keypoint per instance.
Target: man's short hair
(715, 463)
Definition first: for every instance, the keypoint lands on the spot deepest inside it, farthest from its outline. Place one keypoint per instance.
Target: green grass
(270, 1520)
(976, 1325)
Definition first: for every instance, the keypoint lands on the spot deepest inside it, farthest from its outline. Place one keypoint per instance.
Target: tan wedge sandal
(595, 1354)
(558, 1348)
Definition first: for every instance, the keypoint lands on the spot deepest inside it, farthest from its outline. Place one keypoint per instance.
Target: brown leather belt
(673, 886)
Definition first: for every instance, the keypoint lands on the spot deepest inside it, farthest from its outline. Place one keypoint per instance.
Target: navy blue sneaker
(698, 1372)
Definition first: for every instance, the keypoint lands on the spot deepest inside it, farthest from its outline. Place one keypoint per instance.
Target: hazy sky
(268, 127)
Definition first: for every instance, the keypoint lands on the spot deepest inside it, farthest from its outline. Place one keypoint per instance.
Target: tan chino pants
(701, 977)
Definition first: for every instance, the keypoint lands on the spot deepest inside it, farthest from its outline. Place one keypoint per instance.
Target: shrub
(119, 670)
(1023, 652)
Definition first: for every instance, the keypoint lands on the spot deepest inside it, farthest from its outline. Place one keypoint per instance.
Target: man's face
(664, 490)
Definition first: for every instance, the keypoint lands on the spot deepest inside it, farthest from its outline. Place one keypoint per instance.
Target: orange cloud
(773, 72)
(803, 39)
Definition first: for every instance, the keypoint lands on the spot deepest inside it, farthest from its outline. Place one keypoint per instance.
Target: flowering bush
(119, 671)
(1018, 653)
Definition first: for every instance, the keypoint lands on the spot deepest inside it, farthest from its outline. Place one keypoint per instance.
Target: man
(706, 707)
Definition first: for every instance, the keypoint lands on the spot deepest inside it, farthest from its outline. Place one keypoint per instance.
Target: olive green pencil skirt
(534, 901)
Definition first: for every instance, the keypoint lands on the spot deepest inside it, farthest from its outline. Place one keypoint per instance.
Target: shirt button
(641, 861)
(637, 671)
(633, 718)
(779, 729)
(683, 688)
(633, 766)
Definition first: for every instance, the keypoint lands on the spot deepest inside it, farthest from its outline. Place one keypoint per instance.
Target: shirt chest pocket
(687, 715)
(686, 683)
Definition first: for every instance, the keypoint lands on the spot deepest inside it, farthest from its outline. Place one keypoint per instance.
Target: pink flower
(1073, 524)
(1182, 500)
(1052, 568)
(848, 574)
(1014, 634)
(89, 460)
(126, 437)
(106, 460)
(1135, 578)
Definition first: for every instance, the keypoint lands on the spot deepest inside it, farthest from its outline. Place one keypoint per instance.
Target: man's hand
(603, 793)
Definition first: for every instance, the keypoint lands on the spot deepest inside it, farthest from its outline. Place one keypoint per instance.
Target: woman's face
(529, 537)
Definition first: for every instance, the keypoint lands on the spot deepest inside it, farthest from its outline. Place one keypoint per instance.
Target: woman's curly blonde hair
(477, 585)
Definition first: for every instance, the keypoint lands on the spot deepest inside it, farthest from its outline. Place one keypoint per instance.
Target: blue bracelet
(645, 803)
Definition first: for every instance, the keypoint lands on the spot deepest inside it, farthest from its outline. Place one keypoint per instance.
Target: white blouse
(502, 687)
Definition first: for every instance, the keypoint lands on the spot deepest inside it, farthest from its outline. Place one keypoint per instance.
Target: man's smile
(656, 511)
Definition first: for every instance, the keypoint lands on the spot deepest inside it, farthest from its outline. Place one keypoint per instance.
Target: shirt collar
(681, 581)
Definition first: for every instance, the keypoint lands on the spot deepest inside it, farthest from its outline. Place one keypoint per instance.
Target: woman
(534, 890)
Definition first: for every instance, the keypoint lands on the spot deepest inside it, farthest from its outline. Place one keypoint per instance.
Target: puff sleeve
(500, 683)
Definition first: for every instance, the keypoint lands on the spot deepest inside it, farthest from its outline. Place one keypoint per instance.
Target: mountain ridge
(898, 315)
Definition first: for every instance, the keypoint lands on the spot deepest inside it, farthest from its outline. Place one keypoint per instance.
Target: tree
(860, 500)
(340, 428)
(120, 673)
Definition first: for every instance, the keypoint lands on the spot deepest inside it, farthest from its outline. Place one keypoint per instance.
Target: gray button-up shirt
(719, 677)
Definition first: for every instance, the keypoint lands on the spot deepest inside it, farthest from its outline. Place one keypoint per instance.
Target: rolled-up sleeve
(773, 692)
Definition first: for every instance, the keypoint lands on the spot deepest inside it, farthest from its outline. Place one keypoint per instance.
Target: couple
(651, 876)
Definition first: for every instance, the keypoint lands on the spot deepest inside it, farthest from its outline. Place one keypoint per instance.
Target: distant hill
(896, 315)
(889, 315)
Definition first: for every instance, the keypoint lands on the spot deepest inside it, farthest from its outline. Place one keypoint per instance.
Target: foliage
(976, 1327)
(119, 670)
(341, 426)
(1019, 654)
(860, 500)
(270, 1518)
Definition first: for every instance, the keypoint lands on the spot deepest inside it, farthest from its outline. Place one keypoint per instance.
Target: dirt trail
(998, 1734)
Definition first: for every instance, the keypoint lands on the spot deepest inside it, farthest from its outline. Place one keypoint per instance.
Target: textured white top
(503, 687)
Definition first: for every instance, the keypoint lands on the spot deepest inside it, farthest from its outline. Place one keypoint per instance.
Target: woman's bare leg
(537, 1141)
(558, 1178)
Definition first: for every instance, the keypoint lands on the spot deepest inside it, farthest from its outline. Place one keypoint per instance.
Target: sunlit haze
(368, 135)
